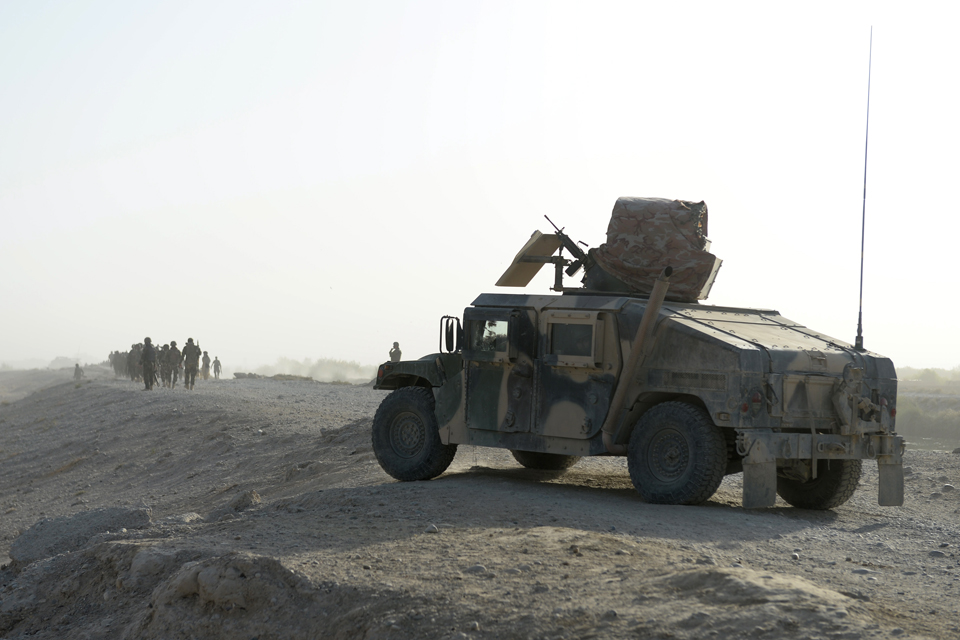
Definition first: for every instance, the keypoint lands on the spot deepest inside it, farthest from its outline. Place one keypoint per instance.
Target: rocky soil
(255, 509)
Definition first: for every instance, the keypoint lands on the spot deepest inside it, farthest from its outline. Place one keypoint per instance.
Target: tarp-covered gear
(647, 234)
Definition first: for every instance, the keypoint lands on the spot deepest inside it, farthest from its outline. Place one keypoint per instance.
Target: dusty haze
(321, 180)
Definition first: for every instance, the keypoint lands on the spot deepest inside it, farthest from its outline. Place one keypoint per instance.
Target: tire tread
(437, 456)
(709, 444)
(833, 486)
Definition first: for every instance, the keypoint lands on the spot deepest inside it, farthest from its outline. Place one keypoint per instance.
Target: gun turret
(538, 251)
(571, 246)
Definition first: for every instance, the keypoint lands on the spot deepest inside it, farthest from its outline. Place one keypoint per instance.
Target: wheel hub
(669, 455)
(407, 435)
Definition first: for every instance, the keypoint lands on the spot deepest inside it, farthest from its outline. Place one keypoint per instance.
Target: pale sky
(320, 179)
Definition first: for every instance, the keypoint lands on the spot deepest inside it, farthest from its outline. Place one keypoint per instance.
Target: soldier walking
(163, 361)
(133, 362)
(205, 370)
(191, 362)
(216, 367)
(77, 371)
(119, 361)
(174, 357)
(148, 360)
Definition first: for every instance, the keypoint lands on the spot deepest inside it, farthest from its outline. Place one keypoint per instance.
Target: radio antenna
(858, 345)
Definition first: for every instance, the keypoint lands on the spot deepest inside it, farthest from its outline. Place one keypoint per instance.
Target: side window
(489, 336)
(571, 339)
(497, 334)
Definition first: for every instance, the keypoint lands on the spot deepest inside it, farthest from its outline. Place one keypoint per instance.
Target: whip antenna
(858, 345)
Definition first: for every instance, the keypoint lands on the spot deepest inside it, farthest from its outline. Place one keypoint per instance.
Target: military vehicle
(629, 365)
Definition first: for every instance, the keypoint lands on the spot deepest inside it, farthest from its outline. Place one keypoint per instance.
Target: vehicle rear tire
(544, 461)
(836, 482)
(405, 436)
(676, 455)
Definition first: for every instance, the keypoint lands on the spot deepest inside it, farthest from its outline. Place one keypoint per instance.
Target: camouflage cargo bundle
(647, 234)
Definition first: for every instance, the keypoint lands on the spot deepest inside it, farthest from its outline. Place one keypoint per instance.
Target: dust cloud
(321, 370)
(928, 408)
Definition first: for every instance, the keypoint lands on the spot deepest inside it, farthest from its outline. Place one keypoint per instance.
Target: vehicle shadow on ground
(501, 499)
(616, 490)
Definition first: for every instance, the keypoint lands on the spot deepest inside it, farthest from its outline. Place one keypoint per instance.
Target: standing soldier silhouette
(216, 367)
(395, 352)
(148, 359)
(77, 371)
(163, 363)
(174, 357)
(133, 358)
(191, 362)
(205, 370)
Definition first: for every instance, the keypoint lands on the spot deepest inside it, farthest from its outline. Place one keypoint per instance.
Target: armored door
(499, 369)
(577, 371)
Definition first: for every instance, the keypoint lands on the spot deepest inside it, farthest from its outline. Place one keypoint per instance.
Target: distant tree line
(928, 407)
(935, 418)
(929, 376)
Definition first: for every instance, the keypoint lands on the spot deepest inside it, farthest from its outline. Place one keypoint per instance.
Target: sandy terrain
(137, 518)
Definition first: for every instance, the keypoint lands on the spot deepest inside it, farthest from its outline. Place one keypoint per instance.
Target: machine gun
(538, 251)
(570, 246)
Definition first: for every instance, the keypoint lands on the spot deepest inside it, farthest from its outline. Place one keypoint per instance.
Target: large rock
(52, 536)
(245, 500)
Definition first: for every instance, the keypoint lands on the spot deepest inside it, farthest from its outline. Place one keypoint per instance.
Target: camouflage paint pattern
(540, 373)
(647, 234)
(771, 384)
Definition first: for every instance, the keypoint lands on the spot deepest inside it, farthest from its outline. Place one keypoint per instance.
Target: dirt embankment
(256, 508)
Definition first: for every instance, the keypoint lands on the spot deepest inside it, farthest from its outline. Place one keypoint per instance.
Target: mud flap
(891, 483)
(759, 477)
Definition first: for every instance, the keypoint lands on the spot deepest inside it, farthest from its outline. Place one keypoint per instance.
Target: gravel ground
(256, 508)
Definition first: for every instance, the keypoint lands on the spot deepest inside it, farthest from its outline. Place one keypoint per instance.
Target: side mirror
(451, 334)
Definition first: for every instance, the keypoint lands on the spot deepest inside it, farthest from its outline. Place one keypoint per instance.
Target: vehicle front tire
(836, 482)
(676, 455)
(544, 461)
(405, 436)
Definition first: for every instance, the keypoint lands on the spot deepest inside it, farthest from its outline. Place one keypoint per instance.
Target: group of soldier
(164, 365)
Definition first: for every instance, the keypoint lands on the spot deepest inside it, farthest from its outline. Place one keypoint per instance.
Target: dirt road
(255, 508)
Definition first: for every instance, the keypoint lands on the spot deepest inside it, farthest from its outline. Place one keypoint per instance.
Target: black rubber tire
(405, 436)
(676, 455)
(544, 461)
(836, 482)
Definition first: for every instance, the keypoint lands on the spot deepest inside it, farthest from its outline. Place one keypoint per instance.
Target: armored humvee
(628, 366)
